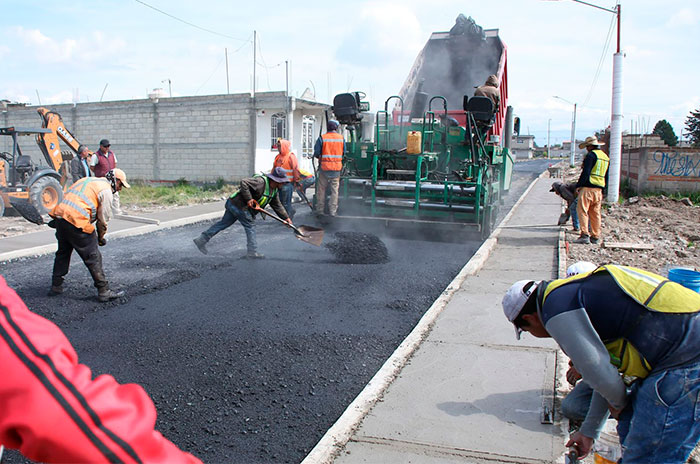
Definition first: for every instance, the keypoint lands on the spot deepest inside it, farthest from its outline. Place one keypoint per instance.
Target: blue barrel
(686, 277)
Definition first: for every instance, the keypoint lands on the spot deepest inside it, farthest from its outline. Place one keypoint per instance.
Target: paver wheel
(45, 194)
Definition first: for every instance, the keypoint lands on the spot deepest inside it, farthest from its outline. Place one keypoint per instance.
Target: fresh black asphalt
(246, 360)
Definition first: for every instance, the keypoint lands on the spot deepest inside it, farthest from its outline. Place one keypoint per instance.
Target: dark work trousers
(71, 238)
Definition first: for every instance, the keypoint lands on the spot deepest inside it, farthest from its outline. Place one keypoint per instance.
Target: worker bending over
(52, 409)
(81, 224)
(635, 338)
(254, 192)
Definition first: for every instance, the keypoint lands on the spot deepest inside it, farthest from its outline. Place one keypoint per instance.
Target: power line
(210, 76)
(187, 22)
(606, 47)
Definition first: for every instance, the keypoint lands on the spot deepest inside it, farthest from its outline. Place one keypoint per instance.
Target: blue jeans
(662, 421)
(576, 404)
(286, 191)
(574, 214)
(232, 214)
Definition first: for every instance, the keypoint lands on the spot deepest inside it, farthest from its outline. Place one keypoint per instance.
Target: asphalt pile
(358, 248)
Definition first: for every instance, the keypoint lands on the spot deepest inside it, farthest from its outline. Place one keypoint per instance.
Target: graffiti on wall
(676, 164)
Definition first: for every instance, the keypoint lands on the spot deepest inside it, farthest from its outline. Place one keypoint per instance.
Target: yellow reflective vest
(600, 168)
(653, 292)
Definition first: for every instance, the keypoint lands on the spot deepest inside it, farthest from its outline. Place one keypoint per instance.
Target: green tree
(664, 130)
(692, 125)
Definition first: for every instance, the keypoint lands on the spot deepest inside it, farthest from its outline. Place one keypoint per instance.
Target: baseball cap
(580, 268)
(515, 299)
(104, 143)
(121, 175)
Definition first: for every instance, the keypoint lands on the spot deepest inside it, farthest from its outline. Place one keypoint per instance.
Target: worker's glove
(252, 204)
(102, 241)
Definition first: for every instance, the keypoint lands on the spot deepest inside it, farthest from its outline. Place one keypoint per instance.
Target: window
(307, 136)
(278, 129)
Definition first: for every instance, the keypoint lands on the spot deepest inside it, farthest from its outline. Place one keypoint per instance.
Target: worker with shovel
(254, 193)
(86, 207)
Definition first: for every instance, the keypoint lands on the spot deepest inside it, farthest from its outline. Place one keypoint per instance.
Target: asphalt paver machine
(441, 162)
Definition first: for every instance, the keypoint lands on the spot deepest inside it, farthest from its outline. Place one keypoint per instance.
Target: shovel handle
(277, 218)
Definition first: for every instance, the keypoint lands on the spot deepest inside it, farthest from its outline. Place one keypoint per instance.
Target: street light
(616, 110)
(573, 132)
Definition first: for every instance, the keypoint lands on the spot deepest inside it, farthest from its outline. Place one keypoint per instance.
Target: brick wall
(200, 139)
(656, 169)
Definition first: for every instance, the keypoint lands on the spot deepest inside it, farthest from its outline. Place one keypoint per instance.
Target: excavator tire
(45, 193)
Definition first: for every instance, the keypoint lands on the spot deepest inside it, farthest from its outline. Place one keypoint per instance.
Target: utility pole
(548, 127)
(226, 53)
(573, 140)
(255, 47)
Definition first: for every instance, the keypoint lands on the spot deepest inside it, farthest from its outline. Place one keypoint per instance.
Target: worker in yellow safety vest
(81, 220)
(590, 186)
(329, 149)
(634, 337)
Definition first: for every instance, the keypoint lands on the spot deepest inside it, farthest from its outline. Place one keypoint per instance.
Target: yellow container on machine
(413, 145)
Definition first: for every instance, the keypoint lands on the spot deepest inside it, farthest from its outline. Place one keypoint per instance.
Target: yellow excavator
(21, 178)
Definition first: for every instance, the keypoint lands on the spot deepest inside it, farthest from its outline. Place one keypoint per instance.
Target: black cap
(104, 143)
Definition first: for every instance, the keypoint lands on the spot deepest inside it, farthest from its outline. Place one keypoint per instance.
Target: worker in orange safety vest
(287, 160)
(329, 149)
(86, 207)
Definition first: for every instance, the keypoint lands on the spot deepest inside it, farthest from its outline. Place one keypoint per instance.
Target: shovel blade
(311, 235)
(27, 210)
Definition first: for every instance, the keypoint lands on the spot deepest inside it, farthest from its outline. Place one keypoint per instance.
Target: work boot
(201, 243)
(105, 294)
(583, 240)
(56, 290)
(254, 255)
(594, 240)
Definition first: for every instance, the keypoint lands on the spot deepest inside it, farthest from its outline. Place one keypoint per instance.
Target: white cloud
(684, 17)
(384, 33)
(87, 49)
(60, 97)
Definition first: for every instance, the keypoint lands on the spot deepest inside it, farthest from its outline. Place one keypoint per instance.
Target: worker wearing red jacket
(52, 409)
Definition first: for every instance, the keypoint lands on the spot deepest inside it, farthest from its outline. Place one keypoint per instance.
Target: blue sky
(71, 51)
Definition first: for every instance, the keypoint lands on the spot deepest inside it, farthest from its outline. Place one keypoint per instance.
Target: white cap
(580, 267)
(515, 299)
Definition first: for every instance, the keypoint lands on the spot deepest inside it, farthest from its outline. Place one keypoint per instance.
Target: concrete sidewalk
(470, 392)
(44, 241)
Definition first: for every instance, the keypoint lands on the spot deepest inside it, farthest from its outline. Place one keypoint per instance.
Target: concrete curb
(140, 230)
(328, 447)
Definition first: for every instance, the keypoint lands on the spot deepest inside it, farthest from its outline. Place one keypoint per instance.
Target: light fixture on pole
(573, 132)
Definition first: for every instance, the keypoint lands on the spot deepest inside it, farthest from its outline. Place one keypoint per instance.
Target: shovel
(27, 210)
(303, 197)
(308, 234)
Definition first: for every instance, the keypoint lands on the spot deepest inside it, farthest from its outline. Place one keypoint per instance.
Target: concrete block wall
(200, 139)
(667, 169)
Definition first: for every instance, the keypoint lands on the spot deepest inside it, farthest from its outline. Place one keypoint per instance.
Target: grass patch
(181, 193)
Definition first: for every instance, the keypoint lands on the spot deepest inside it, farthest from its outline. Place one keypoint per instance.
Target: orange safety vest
(332, 152)
(80, 202)
(289, 166)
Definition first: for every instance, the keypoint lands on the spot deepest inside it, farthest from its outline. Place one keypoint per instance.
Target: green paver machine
(442, 162)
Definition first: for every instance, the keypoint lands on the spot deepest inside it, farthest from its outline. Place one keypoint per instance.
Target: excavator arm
(49, 143)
